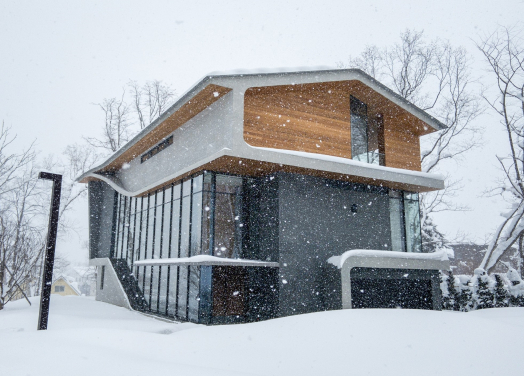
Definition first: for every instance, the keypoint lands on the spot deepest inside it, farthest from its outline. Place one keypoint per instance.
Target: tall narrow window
(412, 218)
(404, 221)
(359, 130)
(228, 216)
(102, 277)
(396, 218)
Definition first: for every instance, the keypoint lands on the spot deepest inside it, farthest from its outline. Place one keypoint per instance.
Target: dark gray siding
(316, 221)
(101, 205)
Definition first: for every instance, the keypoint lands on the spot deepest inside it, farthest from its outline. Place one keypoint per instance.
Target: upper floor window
(366, 134)
(157, 149)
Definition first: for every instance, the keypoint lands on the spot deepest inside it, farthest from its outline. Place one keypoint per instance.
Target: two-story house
(241, 201)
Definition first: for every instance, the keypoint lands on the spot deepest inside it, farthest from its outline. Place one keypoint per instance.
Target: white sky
(57, 58)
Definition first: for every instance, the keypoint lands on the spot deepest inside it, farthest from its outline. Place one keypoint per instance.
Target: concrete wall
(112, 291)
(316, 221)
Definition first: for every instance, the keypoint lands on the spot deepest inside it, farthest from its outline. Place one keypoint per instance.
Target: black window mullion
(145, 242)
(179, 246)
(132, 258)
(152, 250)
(169, 246)
(140, 234)
(116, 226)
(212, 214)
(190, 246)
(123, 220)
(128, 222)
(160, 248)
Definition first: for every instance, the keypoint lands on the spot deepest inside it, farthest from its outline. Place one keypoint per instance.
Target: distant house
(62, 286)
(263, 195)
(468, 256)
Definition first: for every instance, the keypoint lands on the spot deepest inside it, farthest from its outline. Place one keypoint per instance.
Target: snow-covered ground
(86, 337)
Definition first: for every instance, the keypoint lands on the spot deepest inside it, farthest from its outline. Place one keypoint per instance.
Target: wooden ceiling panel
(207, 96)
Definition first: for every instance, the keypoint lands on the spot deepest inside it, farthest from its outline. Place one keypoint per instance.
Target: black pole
(47, 279)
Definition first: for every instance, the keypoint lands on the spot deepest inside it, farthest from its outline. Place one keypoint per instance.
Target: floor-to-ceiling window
(200, 215)
(405, 221)
(367, 134)
(359, 130)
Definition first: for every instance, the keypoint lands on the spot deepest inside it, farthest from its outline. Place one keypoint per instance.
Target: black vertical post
(50, 248)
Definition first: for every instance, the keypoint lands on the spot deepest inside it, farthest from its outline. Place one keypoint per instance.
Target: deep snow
(86, 337)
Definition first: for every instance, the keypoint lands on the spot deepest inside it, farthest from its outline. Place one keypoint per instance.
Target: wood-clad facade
(316, 118)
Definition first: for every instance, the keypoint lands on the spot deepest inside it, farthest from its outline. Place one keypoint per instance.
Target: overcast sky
(57, 58)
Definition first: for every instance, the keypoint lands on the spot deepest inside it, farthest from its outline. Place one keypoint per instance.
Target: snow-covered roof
(224, 82)
(70, 281)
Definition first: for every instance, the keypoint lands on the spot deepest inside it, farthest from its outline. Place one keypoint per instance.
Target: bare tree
(24, 208)
(150, 100)
(123, 119)
(10, 163)
(436, 77)
(74, 161)
(21, 241)
(504, 52)
(116, 129)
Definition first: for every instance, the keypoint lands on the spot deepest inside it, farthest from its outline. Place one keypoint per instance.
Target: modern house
(241, 201)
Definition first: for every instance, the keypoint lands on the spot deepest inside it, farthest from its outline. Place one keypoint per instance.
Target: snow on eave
(339, 261)
(206, 260)
(352, 162)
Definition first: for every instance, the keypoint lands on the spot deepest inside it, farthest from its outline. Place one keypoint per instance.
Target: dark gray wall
(316, 222)
(101, 205)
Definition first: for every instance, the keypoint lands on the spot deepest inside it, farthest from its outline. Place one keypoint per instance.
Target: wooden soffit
(255, 168)
(203, 99)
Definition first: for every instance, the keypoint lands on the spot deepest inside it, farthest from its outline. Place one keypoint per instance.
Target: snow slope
(86, 337)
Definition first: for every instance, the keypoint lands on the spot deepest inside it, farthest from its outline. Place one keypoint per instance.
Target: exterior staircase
(129, 284)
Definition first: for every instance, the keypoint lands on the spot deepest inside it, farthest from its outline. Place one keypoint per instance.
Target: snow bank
(86, 337)
(338, 261)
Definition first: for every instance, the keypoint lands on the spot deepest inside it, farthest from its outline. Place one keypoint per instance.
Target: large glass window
(159, 211)
(175, 226)
(396, 217)
(367, 134)
(200, 215)
(166, 227)
(194, 289)
(228, 216)
(186, 218)
(143, 228)
(182, 292)
(162, 306)
(412, 218)
(405, 221)
(173, 291)
(150, 227)
(147, 284)
(154, 288)
(196, 222)
(359, 130)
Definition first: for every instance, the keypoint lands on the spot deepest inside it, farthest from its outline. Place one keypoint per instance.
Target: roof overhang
(213, 87)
